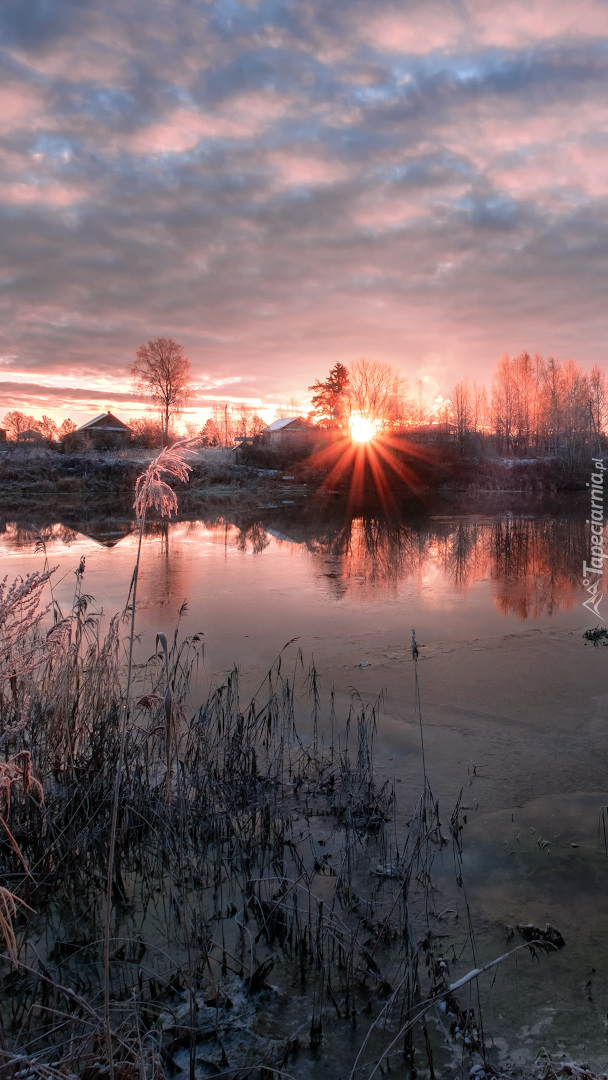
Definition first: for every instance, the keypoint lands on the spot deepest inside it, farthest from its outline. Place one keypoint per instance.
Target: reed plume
(152, 490)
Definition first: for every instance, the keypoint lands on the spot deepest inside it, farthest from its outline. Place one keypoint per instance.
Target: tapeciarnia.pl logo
(593, 572)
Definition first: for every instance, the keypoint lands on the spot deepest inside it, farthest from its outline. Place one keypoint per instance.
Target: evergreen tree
(330, 399)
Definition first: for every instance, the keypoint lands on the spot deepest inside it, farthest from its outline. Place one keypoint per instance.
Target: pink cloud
(518, 22)
(489, 130)
(178, 132)
(380, 213)
(417, 30)
(182, 129)
(50, 194)
(292, 169)
(20, 107)
(580, 168)
(515, 23)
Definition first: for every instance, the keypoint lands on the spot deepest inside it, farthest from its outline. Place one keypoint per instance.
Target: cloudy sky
(280, 184)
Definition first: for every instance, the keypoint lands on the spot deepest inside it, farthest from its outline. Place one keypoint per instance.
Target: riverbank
(27, 476)
(415, 476)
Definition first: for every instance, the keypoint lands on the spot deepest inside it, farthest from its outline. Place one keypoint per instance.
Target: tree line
(534, 405)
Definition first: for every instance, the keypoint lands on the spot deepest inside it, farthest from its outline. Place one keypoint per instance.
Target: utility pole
(226, 424)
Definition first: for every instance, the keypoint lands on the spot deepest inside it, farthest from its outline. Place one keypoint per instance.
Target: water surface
(253, 585)
(514, 701)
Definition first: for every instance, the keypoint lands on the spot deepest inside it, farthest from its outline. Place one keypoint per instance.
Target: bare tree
(146, 431)
(420, 410)
(503, 403)
(48, 428)
(480, 407)
(17, 422)
(67, 427)
(162, 372)
(210, 433)
(463, 411)
(376, 391)
(598, 390)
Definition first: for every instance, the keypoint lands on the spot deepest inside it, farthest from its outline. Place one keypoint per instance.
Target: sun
(361, 428)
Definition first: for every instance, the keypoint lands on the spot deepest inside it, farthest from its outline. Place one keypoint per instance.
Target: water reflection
(531, 565)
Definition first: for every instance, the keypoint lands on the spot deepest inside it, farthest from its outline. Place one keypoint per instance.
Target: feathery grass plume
(151, 489)
(20, 617)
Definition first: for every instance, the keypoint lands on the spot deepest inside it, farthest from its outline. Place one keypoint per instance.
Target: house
(104, 432)
(30, 437)
(291, 431)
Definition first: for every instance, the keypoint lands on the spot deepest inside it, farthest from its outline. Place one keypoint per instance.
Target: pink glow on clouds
(20, 107)
(49, 194)
(259, 110)
(488, 163)
(416, 31)
(94, 59)
(382, 213)
(584, 169)
(182, 129)
(519, 22)
(441, 25)
(303, 170)
(485, 134)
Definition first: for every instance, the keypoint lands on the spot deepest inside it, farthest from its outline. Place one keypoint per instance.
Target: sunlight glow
(361, 428)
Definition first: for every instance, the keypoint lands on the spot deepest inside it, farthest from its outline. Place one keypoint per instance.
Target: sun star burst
(362, 429)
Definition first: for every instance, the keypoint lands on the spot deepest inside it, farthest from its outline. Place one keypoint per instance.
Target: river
(513, 698)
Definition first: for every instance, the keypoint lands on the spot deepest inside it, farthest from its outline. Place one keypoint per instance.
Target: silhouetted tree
(210, 433)
(330, 399)
(378, 392)
(67, 427)
(17, 422)
(462, 404)
(162, 372)
(48, 428)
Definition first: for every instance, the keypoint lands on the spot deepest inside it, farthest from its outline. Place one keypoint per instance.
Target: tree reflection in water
(533, 563)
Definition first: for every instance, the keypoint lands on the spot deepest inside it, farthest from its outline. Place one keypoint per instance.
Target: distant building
(292, 431)
(104, 432)
(31, 437)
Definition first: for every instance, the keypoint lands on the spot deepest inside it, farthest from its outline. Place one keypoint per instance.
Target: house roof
(105, 422)
(287, 421)
(30, 433)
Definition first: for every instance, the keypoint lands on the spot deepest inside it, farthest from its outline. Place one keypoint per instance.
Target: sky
(282, 184)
